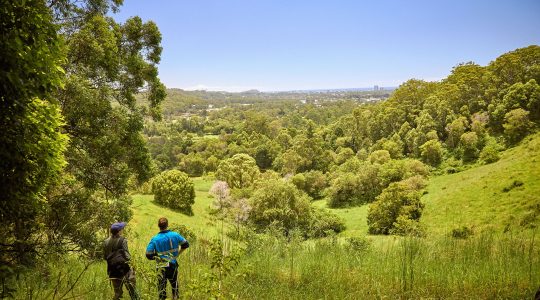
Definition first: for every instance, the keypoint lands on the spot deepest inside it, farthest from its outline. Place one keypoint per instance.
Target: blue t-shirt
(166, 244)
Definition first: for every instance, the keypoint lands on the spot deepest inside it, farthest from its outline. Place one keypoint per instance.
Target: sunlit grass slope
(499, 195)
(146, 214)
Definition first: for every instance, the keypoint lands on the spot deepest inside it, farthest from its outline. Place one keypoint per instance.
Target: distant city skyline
(308, 45)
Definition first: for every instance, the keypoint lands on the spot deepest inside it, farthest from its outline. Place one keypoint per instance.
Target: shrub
(360, 244)
(312, 182)
(400, 200)
(431, 152)
(174, 189)
(193, 164)
(280, 204)
(490, 153)
(323, 223)
(408, 227)
(184, 231)
(355, 188)
(462, 232)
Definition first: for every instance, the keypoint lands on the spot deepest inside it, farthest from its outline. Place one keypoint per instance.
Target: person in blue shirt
(165, 247)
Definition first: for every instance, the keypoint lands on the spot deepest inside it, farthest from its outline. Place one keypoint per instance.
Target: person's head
(163, 223)
(117, 227)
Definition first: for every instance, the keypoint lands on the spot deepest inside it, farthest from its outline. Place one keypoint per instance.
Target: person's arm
(183, 247)
(151, 251)
(125, 247)
(183, 243)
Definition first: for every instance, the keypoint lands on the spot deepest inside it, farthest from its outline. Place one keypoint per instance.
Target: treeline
(379, 153)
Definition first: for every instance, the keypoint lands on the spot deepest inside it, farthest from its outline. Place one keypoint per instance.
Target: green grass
(146, 214)
(489, 265)
(477, 197)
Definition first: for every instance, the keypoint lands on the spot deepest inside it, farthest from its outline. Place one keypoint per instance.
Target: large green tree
(31, 144)
(106, 64)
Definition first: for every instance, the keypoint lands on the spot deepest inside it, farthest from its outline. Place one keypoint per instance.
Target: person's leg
(173, 279)
(117, 286)
(162, 283)
(130, 284)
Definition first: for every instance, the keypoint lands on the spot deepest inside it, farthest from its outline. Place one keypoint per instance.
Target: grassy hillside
(502, 195)
(505, 194)
(146, 213)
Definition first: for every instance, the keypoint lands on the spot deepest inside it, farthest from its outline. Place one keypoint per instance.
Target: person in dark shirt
(119, 276)
(165, 248)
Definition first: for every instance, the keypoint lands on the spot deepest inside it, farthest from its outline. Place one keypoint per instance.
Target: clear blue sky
(284, 45)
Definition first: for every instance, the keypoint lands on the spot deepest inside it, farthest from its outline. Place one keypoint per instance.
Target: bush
(490, 153)
(312, 182)
(462, 232)
(184, 231)
(360, 244)
(431, 152)
(355, 188)
(397, 203)
(408, 227)
(193, 164)
(280, 204)
(323, 223)
(174, 189)
(379, 157)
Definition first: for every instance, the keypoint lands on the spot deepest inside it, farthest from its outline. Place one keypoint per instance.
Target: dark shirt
(111, 244)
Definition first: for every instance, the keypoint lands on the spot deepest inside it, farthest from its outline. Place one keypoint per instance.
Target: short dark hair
(115, 231)
(163, 223)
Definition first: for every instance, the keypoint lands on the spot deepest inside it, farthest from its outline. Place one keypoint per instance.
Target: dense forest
(86, 123)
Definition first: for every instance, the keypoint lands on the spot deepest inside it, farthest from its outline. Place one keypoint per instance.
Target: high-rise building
(376, 88)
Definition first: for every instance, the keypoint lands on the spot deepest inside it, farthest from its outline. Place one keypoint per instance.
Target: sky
(236, 45)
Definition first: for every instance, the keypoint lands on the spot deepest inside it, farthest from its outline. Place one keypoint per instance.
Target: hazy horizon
(241, 45)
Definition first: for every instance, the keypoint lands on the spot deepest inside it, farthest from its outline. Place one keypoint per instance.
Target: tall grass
(487, 266)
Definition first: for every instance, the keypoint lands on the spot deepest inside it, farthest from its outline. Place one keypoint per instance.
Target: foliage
(33, 145)
(490, 152)
(193, 164)
(280, 204)
(516, 125)
(312, 183)
(462, 232)
(323, 223)
(395, 206)
(239, 171)
(431, 152)
(174, 189)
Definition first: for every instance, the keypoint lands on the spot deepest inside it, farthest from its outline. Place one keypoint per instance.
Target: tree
(192, 164)
(280, 204)
(399, 202)
(239, 171)
(106, 64)
(469, 146)
(455, 130)
(431, 152)
(379, 156)
(32, 144)
(311, 182)
(516, 125)
(174, 189)
(350, 189)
